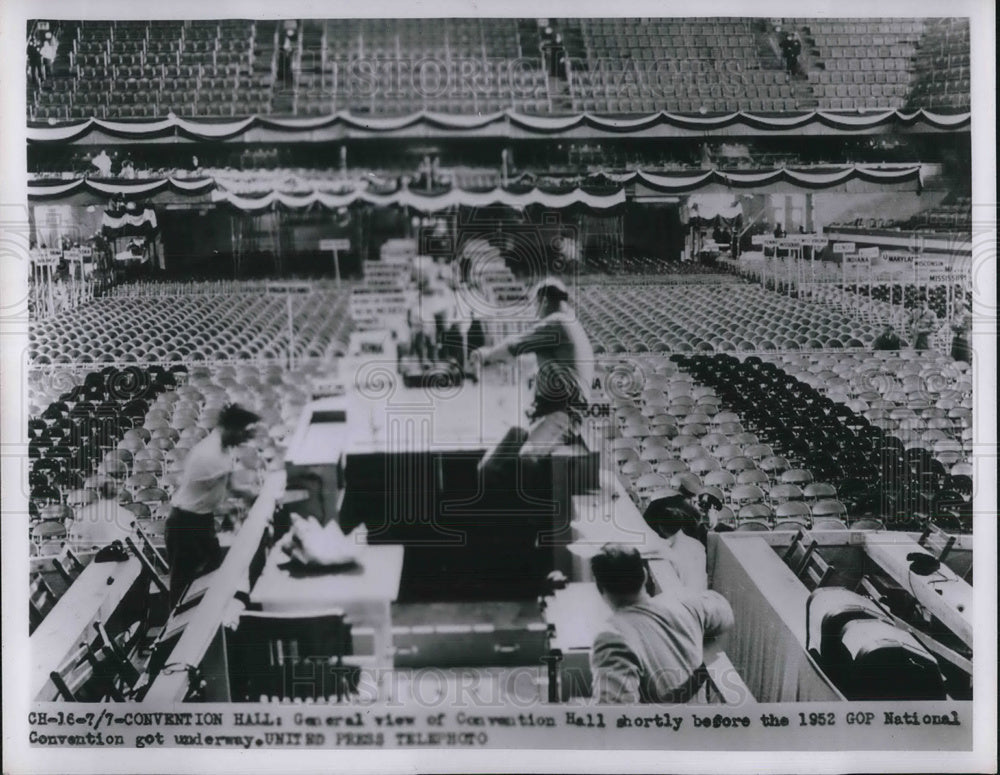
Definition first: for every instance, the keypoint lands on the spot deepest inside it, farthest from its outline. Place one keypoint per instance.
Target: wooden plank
(943, 593)
(93, 597)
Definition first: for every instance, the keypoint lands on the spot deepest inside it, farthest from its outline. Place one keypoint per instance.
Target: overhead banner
(51, 188)
(421, 202)
(129, 224)
(554, 193)
(208, 129)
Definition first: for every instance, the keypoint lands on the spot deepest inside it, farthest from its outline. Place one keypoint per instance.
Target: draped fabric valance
(216, 130)
(597, 192)
(127, 223)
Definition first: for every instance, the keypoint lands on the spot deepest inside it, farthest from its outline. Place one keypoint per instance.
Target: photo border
(19, 758)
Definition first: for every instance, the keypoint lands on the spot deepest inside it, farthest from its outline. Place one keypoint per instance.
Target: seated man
(669, 518)
(565, 361)
(888, 339)
(650, 649)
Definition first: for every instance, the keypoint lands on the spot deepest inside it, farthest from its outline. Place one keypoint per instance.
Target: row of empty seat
(770, 450)
(237, 67)
(135, 427)
(138, 69)
(192, 327)
(952, 215)
(850, 70)
(919, 63)
(72, 443)
(711, 317)
(942, 74)
(923, 398)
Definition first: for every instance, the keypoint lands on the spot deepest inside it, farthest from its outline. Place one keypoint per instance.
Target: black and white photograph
(521, 388)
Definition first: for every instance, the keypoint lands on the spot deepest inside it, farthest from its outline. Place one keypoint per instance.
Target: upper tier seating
(941, 77)
(861, 64)
(138, 69)
(682, 65)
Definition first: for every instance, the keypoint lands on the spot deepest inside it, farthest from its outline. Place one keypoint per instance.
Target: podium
(469, 559)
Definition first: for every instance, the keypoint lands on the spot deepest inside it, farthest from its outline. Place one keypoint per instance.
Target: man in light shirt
(49, 50)
(924, 324)
(102, 163)
(651, 649)
(191, 542)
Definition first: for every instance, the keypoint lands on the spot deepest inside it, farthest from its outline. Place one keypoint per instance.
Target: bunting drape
(127, 224)
(215, 130)
(598, 192)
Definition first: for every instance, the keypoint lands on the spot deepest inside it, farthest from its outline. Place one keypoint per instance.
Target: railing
(705, 278)
(86, 368)
(205, 288)
(47, 299)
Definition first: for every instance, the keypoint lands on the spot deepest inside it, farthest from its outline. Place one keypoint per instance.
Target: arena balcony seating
(683, 65)
(941, 69)
(141, 69)
(860, 65)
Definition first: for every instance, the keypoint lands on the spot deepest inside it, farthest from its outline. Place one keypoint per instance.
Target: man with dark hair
(888, 339)
(565, 370)
(651, 648)
(791, 47)
(672, 519)
(35, 72)
(191, 543)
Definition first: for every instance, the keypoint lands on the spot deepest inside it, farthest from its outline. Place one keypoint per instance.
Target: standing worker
(565, 361)
(961, 326)
(924, 324)
(191, 542)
